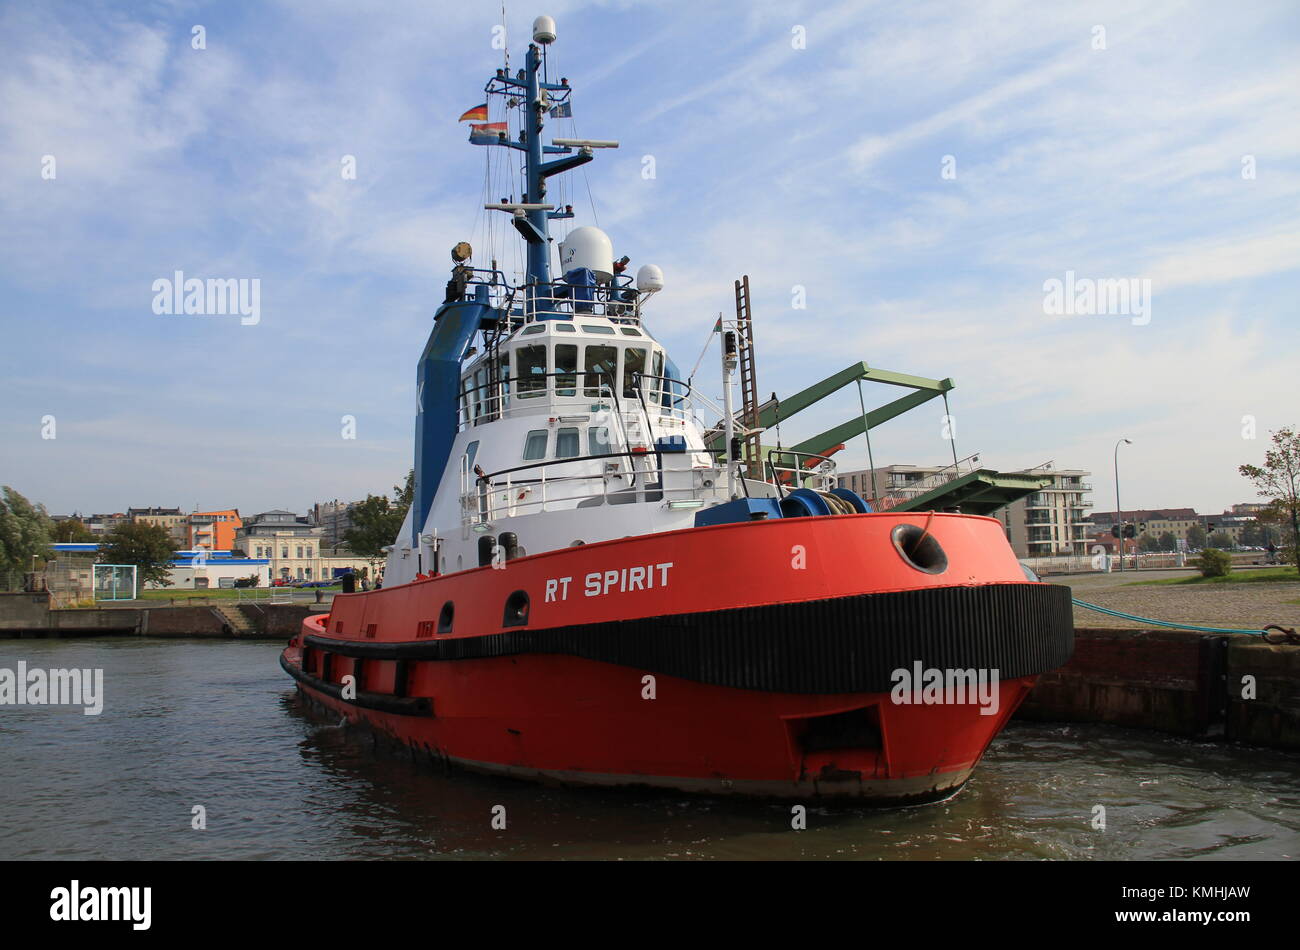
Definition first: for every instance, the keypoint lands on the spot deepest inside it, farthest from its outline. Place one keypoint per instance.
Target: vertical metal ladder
(752, 444)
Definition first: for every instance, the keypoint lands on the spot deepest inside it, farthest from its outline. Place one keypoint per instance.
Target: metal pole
(729, 427)
(952, 434)
(866, 430)
(1119, 512)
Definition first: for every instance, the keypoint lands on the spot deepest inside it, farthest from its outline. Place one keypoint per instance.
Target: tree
(1196, 536)
(1279, 481)
(375, 524)
(71, 531)
(1148, 542)
(24, 532)
(377, 521)
(405, 495)
(1221, 540)
(1168, 542)
(147, 546)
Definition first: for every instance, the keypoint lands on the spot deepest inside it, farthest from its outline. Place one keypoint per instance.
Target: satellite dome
(649, 279)
(544, 30)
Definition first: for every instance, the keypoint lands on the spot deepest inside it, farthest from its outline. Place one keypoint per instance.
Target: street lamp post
(1119, 512)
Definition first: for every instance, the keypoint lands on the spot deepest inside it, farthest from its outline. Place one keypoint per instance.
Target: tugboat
(594, 587)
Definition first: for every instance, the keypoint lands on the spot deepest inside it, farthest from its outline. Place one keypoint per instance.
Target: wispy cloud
(817, 168)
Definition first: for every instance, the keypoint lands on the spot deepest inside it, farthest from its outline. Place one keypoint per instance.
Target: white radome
(544, 30)
(649, 279)
(590, 248)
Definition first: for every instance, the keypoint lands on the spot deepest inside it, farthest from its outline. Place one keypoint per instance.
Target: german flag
(476, 114)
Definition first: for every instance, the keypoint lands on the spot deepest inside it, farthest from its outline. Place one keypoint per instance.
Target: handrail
(569, 461)
(802, 471)
(466, 397)
(479, 506)
(606, 300)
(927, 483)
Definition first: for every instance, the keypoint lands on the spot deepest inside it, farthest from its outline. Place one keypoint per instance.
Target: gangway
(963, 486)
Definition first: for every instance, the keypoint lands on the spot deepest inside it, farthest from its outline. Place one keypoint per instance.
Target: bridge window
(502, 397)
(656, 384)
(531, 368)
(566, 328)
(592, 328)
(566, 443)
(629, 331)
(633, 365)
(535, 328)
(598, 440)
(601, 366)
(535, 445)
(566, 364)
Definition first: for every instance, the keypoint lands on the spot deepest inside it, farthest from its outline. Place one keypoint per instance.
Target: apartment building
(1051, 521)
(212, 530)
(295, 547)
(334, 519)
(170, 518)
(104, 523)
(1235, 522)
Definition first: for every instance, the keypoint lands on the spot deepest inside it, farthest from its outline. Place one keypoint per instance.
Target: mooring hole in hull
(855, 729)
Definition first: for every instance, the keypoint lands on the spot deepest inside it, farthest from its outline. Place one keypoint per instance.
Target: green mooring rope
(1163, 623)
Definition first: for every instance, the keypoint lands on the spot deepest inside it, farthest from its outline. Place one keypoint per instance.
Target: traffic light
(1114, 530)
(1142, 528)
(1130, 531)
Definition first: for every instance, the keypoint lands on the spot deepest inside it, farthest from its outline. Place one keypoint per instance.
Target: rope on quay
(1287, 634)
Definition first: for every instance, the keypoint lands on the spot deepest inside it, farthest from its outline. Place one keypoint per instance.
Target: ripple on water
(279, 782)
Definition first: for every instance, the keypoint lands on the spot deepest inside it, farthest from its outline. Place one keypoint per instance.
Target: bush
(1214, 563)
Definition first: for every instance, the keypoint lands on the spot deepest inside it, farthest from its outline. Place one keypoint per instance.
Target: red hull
(535, 712)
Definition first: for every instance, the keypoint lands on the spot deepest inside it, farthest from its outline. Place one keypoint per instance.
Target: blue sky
(817, 167)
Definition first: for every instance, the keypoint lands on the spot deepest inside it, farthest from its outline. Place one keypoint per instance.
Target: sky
(901, 182)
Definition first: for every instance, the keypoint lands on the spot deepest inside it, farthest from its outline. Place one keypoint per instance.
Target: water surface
(218, 724)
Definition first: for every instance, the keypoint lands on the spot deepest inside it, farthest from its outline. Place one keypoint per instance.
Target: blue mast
(539, 251)
(464, 314)
(538, 95)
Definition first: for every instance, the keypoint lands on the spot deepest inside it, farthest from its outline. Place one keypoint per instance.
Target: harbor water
(217, 725)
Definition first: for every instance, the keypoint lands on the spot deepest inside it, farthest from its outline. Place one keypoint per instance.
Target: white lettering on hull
(617, 581)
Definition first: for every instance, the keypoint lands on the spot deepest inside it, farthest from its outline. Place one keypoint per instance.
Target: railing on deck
(790, 470)
(534, 488)
(675, 399)
(502, 398)
(896, 495)
(618, 299)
